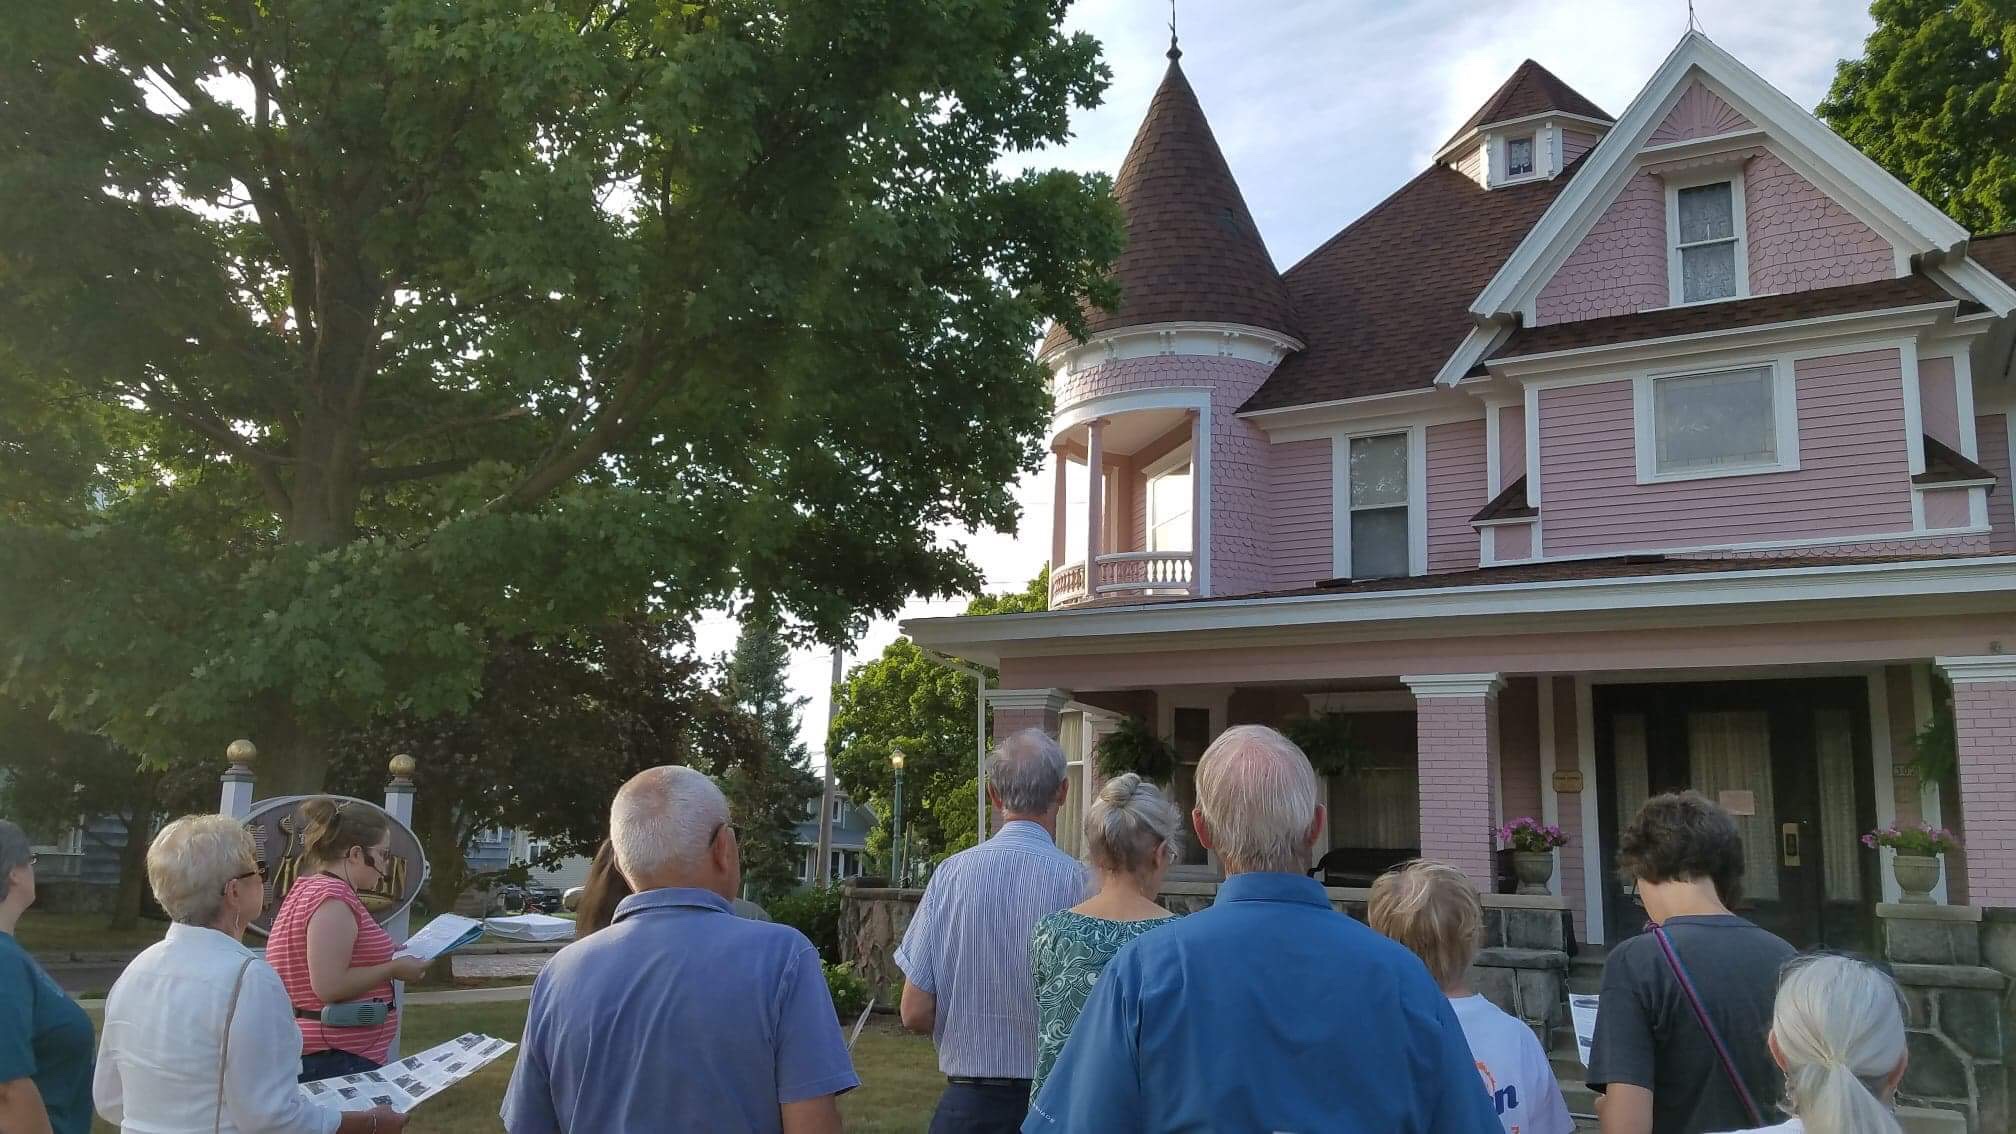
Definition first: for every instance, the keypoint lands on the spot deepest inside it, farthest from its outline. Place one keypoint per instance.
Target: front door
(1788, 759)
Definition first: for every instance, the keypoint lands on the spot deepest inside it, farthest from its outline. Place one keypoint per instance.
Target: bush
(849, 991)
(815, 912)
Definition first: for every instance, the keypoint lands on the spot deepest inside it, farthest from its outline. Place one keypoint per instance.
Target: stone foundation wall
(872, 924)
(1956, 1020)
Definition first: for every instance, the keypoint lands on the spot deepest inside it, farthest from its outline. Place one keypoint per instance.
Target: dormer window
(1519, 156)
(1706, 250)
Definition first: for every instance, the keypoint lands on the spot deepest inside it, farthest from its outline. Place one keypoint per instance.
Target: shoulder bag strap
(224, 1056)
(1701, 1016)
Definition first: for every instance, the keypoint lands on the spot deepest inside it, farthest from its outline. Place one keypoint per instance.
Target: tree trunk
(293, 759)
(132, 872)
(447, 862)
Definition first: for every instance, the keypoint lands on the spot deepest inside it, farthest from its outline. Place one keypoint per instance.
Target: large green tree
(905, 700)
(767, 795)
(340, 340)
(1933, 100)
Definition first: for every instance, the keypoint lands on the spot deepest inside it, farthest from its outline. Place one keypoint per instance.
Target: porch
(1129, 508)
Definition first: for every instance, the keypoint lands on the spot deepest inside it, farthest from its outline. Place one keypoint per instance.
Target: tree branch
(617, 419)
(397, 473)
(264, 465)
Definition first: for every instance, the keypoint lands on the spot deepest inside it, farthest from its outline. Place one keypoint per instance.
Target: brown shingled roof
(1997, 253)
(1193, 252)
(1510, 504)
(1944, 465)
(1387, 301)
(1729, 315)
(1532, 89)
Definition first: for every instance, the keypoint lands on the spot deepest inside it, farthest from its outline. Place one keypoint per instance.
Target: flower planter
(1533, 869)
(1916, 875)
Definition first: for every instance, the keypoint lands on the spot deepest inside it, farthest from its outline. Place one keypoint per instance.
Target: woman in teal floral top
(1131, 836)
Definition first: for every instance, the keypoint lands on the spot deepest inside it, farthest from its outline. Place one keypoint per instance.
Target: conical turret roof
(1193, 253)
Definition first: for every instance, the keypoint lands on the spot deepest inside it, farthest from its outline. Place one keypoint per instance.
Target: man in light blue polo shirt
(965, 957)
(680, 1015)
(1270, 1010)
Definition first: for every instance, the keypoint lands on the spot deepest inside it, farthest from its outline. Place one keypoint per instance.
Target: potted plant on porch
(1532, 845)
(1133, 747)
(1326, 739)
(1917, 863)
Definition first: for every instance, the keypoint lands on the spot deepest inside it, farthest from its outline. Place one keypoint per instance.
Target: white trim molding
(1434, 685)
(1979, 669)
(1067, 418)
(1784, 417)
(1048, 700)
(1186, 339)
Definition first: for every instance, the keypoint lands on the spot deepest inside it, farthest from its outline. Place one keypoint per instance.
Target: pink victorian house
(1607, 456)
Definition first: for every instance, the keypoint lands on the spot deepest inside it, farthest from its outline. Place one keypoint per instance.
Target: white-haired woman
(1837, 1029)
(199, 1037)
(1131, 836)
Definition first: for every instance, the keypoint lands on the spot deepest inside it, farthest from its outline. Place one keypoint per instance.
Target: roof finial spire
(1693, 21)
(1175, 52)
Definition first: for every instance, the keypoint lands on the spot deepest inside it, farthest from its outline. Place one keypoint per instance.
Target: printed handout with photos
(410, 1081)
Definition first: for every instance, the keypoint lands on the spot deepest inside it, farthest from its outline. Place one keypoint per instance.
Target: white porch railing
(1124, 574)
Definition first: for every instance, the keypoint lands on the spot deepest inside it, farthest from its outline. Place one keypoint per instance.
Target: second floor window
(1724, 421)
(1379, 537)
(1707, 247)
(1169, 496)
(1519, 156)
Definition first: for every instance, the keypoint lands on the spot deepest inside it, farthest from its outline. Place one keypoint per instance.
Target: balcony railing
(1122, 575)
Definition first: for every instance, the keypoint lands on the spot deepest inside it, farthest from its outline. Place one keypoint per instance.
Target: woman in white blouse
(199, 1037)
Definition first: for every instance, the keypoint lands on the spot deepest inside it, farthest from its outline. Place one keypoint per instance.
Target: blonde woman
(1131, 836)
(198, 1036)
(1837, 1030)
(1434, 910)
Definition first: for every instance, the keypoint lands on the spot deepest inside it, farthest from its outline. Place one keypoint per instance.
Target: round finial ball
(241, 752)
(404, 766)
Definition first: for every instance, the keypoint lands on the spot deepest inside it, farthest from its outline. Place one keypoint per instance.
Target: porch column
(1017, 709)
(1058, 510)
(1984, 724)
(1095, 502)
(1456, 729)
(1196, 501)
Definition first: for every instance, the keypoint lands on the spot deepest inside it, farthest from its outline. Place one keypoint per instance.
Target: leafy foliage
(1326, 739)
(1133, 747)
(1933, 100)
(1530, 835)
(1923, 839)
(341, 341)
(815, 912)
(849, 991)
(1935, 747)
(767, 796)
(905, 700)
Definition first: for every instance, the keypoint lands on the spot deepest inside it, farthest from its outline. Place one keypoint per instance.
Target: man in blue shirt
(680, 1015)
(1270, 1011)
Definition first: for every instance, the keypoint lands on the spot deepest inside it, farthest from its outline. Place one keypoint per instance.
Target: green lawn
(58, 933)
(899, 1074)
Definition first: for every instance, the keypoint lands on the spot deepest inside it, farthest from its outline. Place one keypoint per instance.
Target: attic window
(1519, 156)
(1707, 254)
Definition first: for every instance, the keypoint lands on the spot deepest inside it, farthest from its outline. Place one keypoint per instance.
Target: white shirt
(1515, 1071)
(1789, 1126)
(164, 1036)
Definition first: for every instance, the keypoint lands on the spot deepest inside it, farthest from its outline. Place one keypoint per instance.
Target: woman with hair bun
(1837, 1030)
(327, 947)
(1132, 834)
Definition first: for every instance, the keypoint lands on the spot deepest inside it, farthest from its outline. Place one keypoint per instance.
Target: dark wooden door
(1789, 759)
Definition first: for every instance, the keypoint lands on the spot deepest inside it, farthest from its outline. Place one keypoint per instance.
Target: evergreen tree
(767, 796)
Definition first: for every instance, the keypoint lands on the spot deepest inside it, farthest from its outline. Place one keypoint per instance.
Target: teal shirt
(1066, 953)
(46, 1037)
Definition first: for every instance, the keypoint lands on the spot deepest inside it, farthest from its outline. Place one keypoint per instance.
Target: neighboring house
(498, 849)
(1606, 456)
(848, 839)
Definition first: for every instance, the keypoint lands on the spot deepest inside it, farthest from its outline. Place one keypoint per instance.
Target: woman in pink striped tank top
(326, 946)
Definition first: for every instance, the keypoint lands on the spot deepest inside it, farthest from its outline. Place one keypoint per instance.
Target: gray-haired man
(965, 959)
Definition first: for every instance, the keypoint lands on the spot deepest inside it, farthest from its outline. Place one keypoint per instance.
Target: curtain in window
(1627, 739)
(1071, 818)
(1834, 740)
(1379, 807)
(1707, 270)
(1732, 752)
(1379, 506)
(1706, 421)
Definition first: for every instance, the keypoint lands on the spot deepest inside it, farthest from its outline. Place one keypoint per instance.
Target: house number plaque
(1569, 781)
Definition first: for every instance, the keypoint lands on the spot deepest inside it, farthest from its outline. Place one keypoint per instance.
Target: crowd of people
(1056, 997)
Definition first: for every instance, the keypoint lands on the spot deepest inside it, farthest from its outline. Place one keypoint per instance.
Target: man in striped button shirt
(965, 959)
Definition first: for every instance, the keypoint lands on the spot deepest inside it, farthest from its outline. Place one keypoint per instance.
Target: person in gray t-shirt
(1655, 1068)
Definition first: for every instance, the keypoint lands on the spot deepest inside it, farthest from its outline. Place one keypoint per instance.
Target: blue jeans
(333, 1062)
(970, 1108)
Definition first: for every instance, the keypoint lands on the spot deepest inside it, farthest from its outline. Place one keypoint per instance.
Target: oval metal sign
(277, 830)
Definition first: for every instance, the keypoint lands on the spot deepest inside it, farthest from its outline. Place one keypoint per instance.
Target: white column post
(1059, 510)
(399, 805)
(1095, 502)
(237, 780)
(1197, 534)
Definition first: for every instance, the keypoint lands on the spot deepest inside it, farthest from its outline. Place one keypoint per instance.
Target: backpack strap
(224, 1056)
(1701, 1016)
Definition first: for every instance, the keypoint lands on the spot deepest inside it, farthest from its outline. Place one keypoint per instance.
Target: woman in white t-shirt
(1837, 1028)
(1434, 910)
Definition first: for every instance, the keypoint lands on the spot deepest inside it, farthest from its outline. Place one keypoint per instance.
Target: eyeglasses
(731, 828)
(258, 871)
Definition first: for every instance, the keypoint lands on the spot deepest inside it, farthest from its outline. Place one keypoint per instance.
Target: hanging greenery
(1936, 747)
(1134, 747)
(1326, 739)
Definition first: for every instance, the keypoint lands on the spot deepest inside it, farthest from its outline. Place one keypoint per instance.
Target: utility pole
(823, 871)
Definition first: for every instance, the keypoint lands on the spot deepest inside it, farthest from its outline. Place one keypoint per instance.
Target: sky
(1322, 108)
